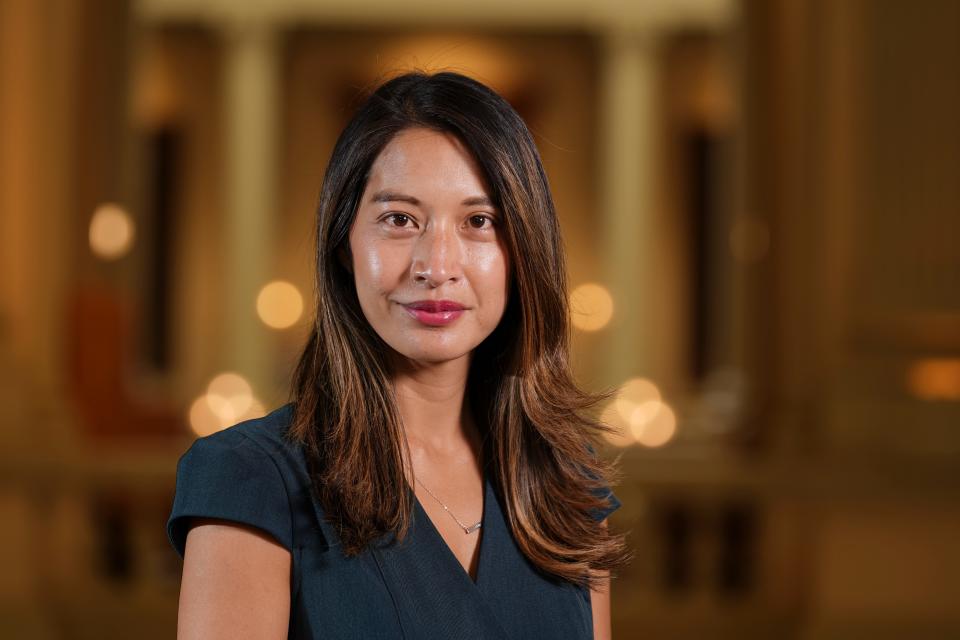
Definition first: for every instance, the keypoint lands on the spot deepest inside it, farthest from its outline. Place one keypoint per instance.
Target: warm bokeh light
(229, 395)
(653, 424)
(111, 231)
(591, 307)
(639, 415)
(203, 420)
(633, 394)
(229, 399)
(279, 304)
(642, 415)
(935, 379)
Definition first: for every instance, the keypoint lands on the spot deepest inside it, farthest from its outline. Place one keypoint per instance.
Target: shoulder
(259, 444)
(240, 474)
(267, 433)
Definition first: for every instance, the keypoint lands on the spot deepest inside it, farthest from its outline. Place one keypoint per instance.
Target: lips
(435, 313)
(436, 306)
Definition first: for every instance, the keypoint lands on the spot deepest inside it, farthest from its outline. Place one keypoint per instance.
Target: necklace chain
(467, 528)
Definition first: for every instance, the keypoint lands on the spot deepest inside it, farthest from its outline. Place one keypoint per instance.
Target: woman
(433, 475)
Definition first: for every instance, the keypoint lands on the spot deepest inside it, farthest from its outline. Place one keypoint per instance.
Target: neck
(433, 404)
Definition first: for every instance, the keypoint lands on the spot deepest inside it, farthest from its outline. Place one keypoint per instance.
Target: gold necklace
(468, 529)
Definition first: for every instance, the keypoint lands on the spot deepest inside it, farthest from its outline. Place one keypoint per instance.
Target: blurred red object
(100, 366)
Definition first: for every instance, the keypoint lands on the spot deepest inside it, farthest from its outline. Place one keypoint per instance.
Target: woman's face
(428, 257)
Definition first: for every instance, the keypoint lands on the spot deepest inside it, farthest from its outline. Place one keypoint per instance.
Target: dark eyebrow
(392, 196)
(478, 201)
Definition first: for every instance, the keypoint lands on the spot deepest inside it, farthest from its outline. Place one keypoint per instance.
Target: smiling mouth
(435, 306)
(435, 314)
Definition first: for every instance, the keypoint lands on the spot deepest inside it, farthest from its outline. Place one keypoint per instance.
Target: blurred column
(38, 239)
(251, 90)
(37, 222)
(627, 109)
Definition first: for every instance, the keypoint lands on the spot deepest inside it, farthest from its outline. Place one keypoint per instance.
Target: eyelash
(493, 222)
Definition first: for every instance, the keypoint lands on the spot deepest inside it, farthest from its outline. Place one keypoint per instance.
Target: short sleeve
(613, 503)
(229, 476)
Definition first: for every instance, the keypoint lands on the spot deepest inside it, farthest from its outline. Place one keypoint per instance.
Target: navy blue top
(249, 473)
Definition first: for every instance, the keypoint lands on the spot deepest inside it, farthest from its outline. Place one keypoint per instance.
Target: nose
(436, 256)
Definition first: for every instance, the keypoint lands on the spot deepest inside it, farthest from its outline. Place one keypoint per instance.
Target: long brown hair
(538, 435)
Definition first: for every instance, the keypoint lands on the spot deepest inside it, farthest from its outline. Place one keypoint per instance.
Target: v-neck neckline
(446, 551)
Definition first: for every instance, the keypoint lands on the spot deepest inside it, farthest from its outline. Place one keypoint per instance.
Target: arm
(236, 583)
(600, 605)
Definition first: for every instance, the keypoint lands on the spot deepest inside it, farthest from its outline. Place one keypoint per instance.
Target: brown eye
(400, 219)
(478, 221)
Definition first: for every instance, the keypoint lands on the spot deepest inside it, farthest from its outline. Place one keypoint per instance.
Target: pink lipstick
(435, 313)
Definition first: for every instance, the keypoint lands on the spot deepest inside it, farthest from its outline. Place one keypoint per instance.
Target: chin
(432, 355)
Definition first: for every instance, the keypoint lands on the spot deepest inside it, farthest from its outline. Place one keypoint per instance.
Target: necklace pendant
(472, 527)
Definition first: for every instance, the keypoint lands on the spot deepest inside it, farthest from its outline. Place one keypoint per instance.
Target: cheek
(375, 267)
(493, 268)
(368, 267)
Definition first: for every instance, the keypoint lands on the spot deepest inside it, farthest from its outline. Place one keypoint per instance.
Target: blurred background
(760, 201)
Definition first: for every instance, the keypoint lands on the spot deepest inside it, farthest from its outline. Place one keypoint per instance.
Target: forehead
(428, 159)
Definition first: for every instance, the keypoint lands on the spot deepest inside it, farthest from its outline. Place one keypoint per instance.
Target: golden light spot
(656, 426)
(935, 379)
(279, 304)
(642, 416)
(229, 396)
(203, 420)
(591, 307)
(111, 231)
(229, 399)
(636, 405)
(634, 393)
